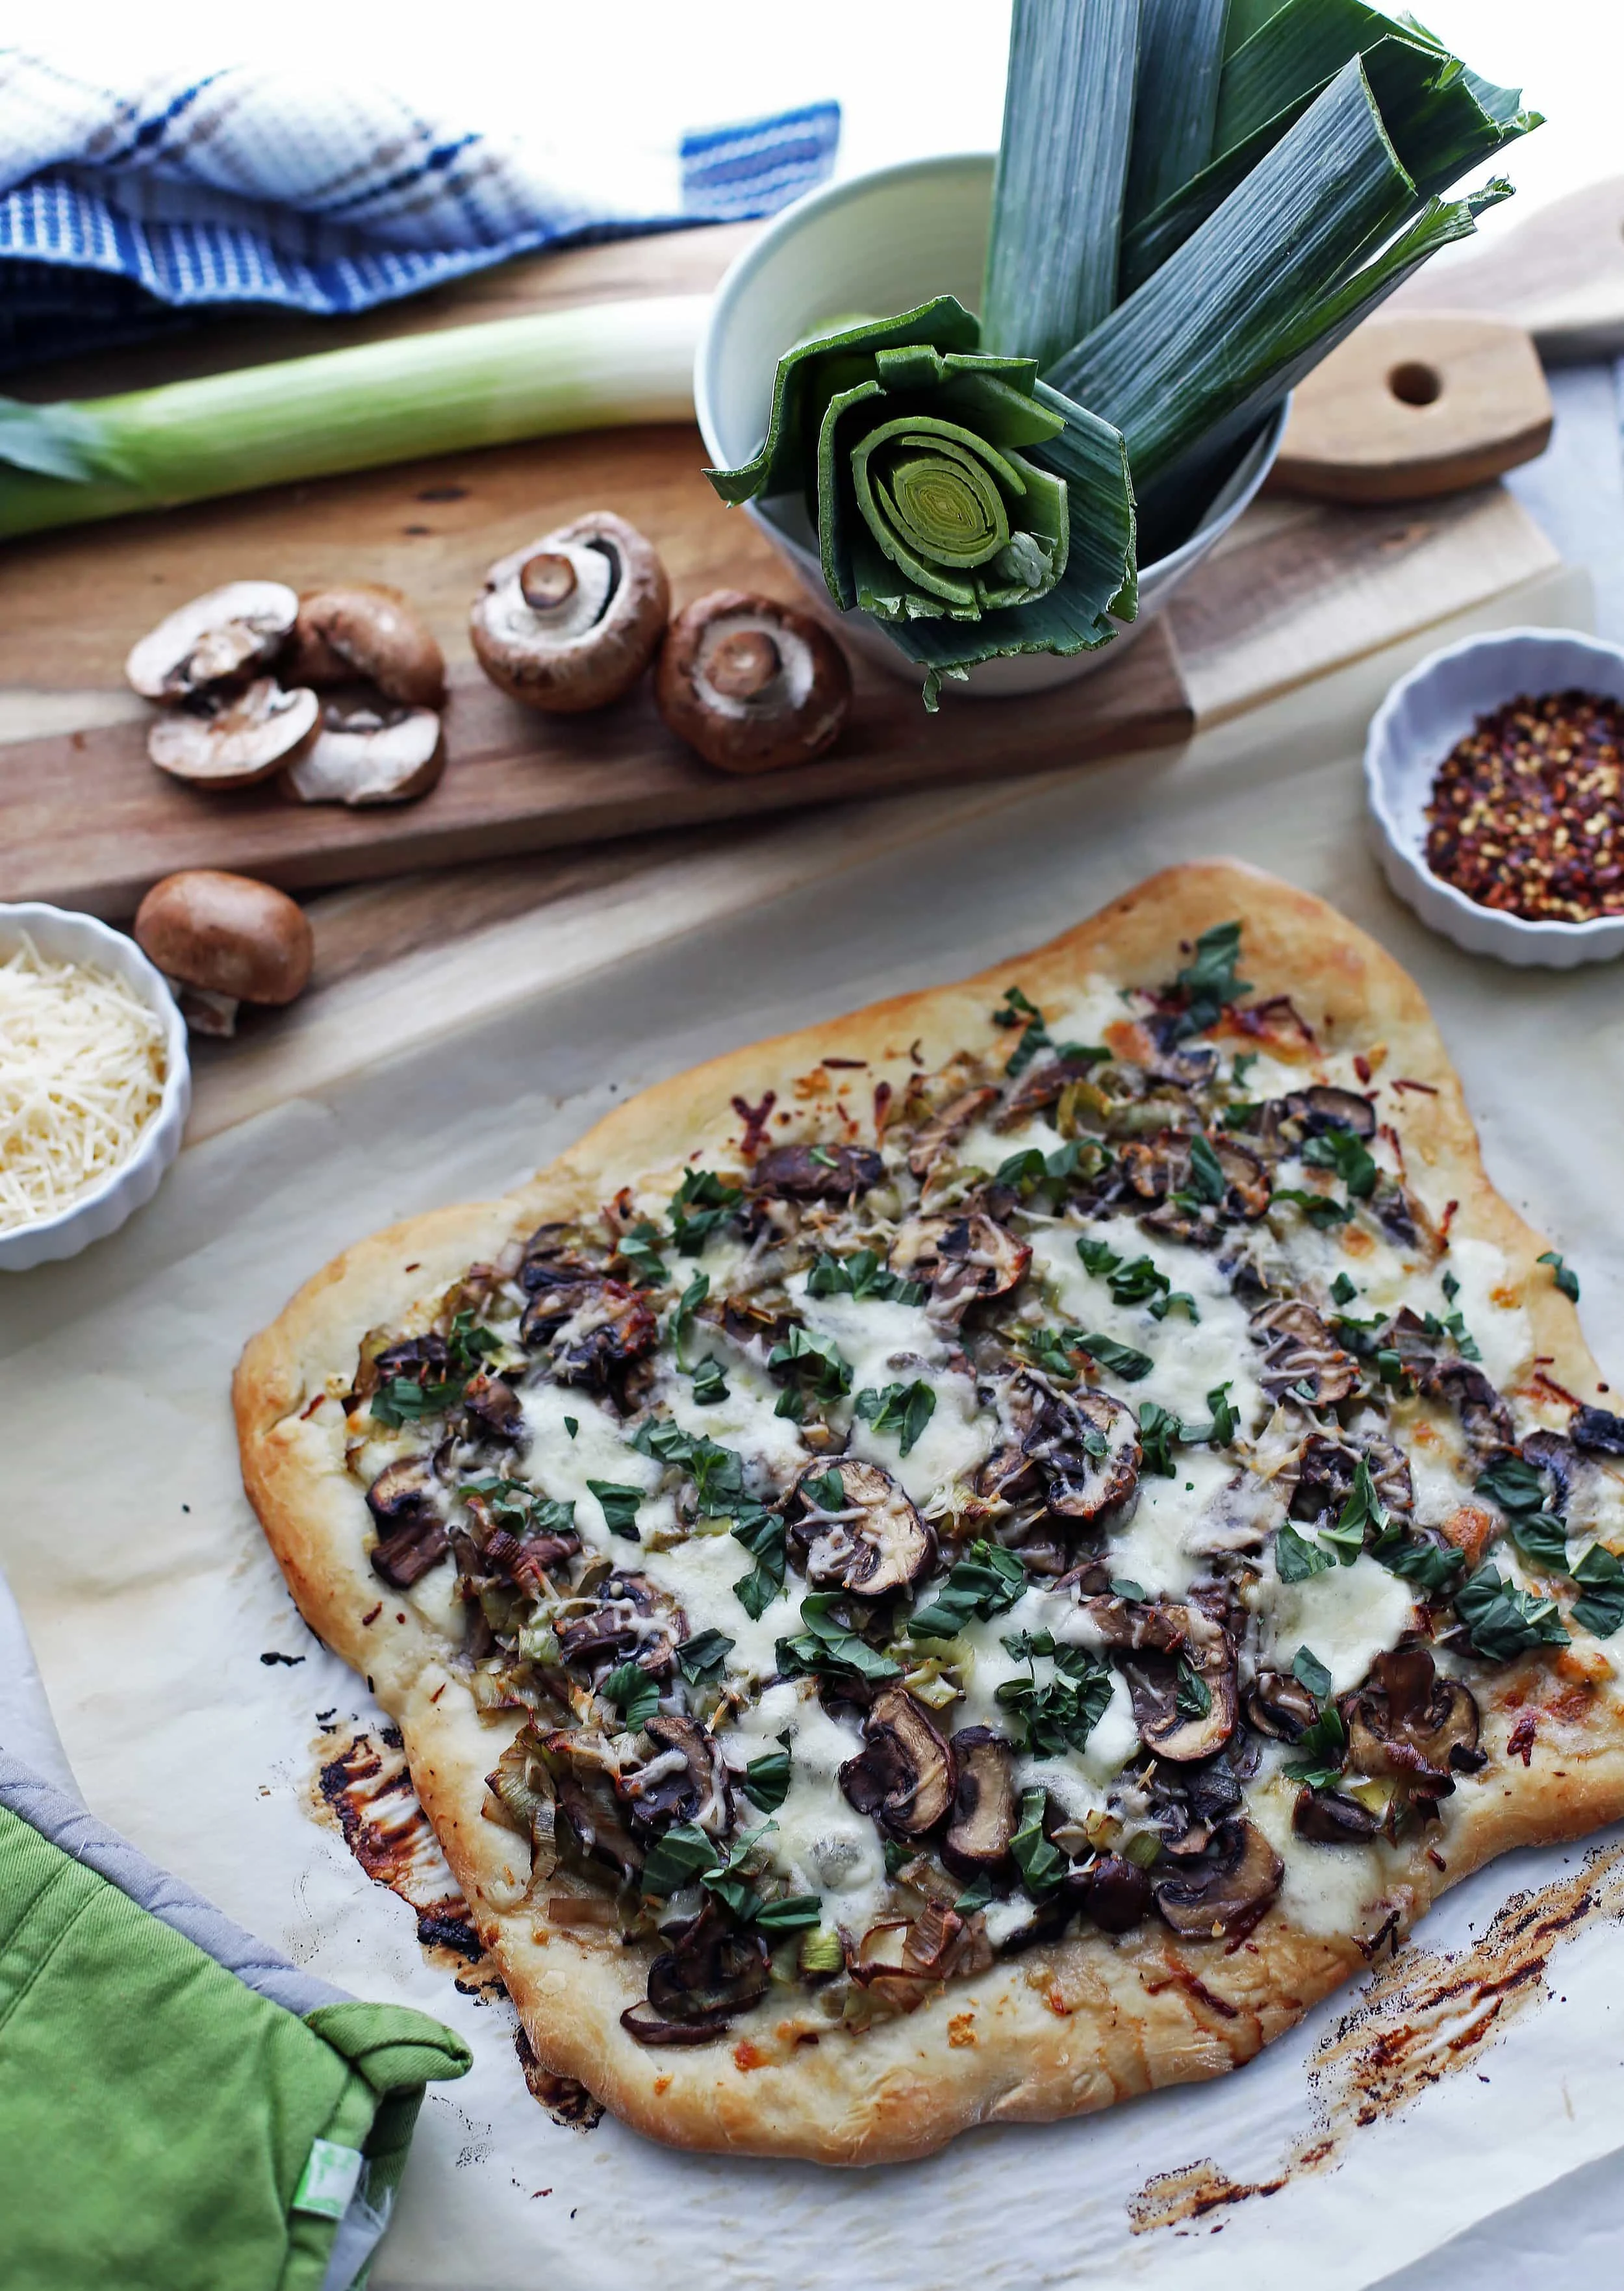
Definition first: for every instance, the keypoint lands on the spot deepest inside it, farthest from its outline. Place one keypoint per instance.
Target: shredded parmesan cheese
(81, 1070)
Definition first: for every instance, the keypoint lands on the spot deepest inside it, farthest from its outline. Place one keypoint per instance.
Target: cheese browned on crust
(1181, 1510)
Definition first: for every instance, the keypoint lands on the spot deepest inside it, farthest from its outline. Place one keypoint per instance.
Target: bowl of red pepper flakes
(1495, 772)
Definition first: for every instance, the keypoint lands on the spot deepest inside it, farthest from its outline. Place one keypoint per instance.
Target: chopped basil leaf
(403, 1401)
(1052, 1349)
(1244, 1061)
(817, 1360)
(1342, 1290)
(905, 1409)
(1121, 1360)
(1176, 1299)
(1136, 1282)
(1124, 1587)
(827, 1492)
(762, 1534)
(634, 1694)
(1030, 1167)
(1601, 1611)
(975, 1896)
(1346, 1152)
(1042, 1866)
(701, 1202)
(896, 1857)
(1225, 1420)
(1207, 1184)
(766, 1780)
(1239, 1115)
(1098, 1257)
(692, 1297)
(1060, 1714)
(571, 1424)
(1295, 1557)
(1537, 1526)
(1322, 1209)
(794, 1913)
(983, 1583)
(619, 1507)
(1451, 1287)
(677, 1857)
(1309, 1671)
(1364, 1508)
(641, 1249)
(717, 1473)
(1321, 1750)
(1158, 1427)
(703, 1655)
(710, 1382)
(864, 1273)
(825, 1644)
(1209, 984)
(1566, 1279)
(1194, 1699)
(1034, 1033)
(1504, 1620)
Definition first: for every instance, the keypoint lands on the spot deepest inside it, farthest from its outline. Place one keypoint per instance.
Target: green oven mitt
(180, 2110)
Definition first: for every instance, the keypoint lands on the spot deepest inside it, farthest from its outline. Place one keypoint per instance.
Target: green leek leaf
(1181, 61)
(1061, 172)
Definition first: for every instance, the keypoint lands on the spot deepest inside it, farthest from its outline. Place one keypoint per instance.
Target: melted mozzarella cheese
(984, 1148)
(821, 1844)
(1326, 1889)
(744, 1419)
(1113, 1737)
(1190, 1358)
(700, 1574)
(884, 1342)
(1347, 1616)
(559, 1463)
(437, 1599)
(1154, 1548)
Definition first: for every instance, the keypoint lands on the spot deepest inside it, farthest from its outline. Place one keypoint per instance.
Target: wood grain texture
(1410, 408)
(1560, 274)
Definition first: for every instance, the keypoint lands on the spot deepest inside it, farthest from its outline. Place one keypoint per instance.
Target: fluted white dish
(63, 937)
(1411, 733)
(883, 242)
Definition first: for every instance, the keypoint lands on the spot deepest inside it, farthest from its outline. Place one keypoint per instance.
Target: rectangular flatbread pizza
(977, 1559)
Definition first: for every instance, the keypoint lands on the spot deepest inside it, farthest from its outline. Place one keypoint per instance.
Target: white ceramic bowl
(880, 243)
(1413, 730)
(66, 937)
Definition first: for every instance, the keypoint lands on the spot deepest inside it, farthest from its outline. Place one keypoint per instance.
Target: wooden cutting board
(1296, 590)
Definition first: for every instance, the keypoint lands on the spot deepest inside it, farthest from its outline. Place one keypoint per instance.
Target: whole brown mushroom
(752, 684)
(367, 631)
(223, 939)
(570, 622)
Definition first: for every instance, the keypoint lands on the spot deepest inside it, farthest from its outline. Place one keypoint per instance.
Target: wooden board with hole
(86, 821)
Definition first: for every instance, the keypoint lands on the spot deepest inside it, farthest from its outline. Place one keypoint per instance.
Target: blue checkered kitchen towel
(121, 208)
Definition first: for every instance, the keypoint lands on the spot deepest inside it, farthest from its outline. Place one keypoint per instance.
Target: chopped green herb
(676, 1859)
(825, 1644)
(1239, 1115)
(985, 1582)
(571, 1424)
(1321, 1750)
(1342, 1290)
(692, 1297)
(1194, 1699)
(634, 1694)
(793, 1913)
(1225, 1420)
(1209, 984)
(641, 1249)
(400, 1400)
(1601, 1576)
(703, 1655)
(1567, 1281)
(1098, 1257)
(817, 1360)
(762, 1534)
(1504, 1620)
(1346, 1152)
(710, 1382)
(827, 1492)
(1137, 1281)
(766, 1780)
(905, 1409)
(717, 1473)
(1159, 1428)
(1449, 1286)
(1244, 1061)
(1124, 1587)
(1321, 1209)
(1433, 1567)
(1176, 1300)
(701, 1202)
(1295, 1557)
(1207, 1184)
(1042, 1864)
(1537, 1526)
(1035, 1034)
(1051, 1350)
(1363, 1508)
(1061, 1713)
(864, 1273)
(1309, 1671)
(1121, 1360)
(975, 1896)
(619, 1507)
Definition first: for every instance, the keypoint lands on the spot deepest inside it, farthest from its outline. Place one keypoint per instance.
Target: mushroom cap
(365, 754)
(709, 691)
(366, 630)
(984, 1809)
(963, 1260)
(875, 1545)
(226, 633)
(1207, 1899)
(231, 741)
(904, 1775)
(227, 934)
(594, 643)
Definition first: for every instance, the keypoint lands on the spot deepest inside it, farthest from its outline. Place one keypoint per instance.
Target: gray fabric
(26, 1728)
(68, 1825)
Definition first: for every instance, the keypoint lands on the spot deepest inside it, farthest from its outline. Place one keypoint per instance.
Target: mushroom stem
(745, 664)
(546, 580)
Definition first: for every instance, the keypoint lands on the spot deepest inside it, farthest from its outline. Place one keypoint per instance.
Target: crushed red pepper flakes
(1527, 812)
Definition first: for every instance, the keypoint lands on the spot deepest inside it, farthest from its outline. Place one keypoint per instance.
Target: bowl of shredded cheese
(94, 1082)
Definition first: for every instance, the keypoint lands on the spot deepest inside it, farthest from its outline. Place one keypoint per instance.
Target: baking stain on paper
(366, 1787)
(1426, 2014)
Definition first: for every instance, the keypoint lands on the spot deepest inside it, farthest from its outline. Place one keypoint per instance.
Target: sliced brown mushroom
(1330, 1818)
(495, 1407)
(685, 1781)
(619, 1625)
(713, 1971)
(905, 1774)
(946, 1128)
(1041, 1084)
(961, 1259)
(817, 1173)
(1114, 1891)
(1485, 1416)
(402, 1491)
(1301, 1357)
(752, 684)
(570, 622)
(983, 1810)
(1325, 1107)
(366, 752)
(223, 939)
(216, 639)
(1279, 1705)
(1208, 1658)
(875, 1544)
(1408, 1721)
(368, 631)
(1088, 1447)
(231, 739)
(588, 1804)
(1226, 1893)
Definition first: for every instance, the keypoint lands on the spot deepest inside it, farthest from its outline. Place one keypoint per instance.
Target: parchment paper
(150, 1596)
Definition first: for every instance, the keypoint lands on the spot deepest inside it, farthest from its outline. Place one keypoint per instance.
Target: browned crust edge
(1071, 2029)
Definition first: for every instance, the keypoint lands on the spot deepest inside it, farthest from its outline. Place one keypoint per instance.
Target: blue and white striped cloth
(120, 206)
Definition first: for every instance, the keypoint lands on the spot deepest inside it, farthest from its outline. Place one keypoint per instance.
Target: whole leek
(593, 366)
(1195, 201)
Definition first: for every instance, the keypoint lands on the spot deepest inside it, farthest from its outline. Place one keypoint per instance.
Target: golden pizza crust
(1066, 2029)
